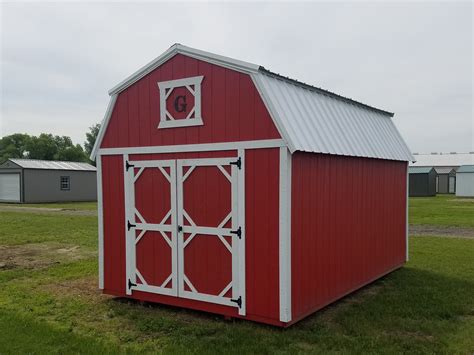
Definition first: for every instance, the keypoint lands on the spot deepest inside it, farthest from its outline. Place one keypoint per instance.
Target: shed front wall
(232, 109)
(465, 184)
(16, 171)
(443, 184)
(348, 226)
(261, 233)
(44, 186)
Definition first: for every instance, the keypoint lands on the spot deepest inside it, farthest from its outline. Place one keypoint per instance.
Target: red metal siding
(114, 223)
(262, 187)
(232, 109)
(348, 225)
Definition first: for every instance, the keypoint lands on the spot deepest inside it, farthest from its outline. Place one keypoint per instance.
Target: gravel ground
(442, 231)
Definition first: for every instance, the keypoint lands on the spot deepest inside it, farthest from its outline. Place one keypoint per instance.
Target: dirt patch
(34, 256)
(86, 288)
(442, 231)
(42, 210)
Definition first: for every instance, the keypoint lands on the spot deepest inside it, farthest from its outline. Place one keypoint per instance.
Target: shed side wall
(232, 109)
(44, 186)
(348, 225)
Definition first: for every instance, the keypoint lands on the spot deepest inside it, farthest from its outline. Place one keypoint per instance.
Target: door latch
(237, 163)
(130, 225)
(180, 229)
(238, 301)
(237, 232)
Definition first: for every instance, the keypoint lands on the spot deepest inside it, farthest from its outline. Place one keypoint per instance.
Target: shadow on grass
(409, 309)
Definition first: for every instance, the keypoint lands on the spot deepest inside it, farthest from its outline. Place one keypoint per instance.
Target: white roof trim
(190, 52)
(103, 126)
(273, 113)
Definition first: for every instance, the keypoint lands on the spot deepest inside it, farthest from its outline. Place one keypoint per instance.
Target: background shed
(465, 181)
(422, 181)
(445, 180)
(32, 181)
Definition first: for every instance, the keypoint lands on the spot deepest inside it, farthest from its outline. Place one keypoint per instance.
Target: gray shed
(445, 180)
(34, 181)
(422, 181)
(465, 181)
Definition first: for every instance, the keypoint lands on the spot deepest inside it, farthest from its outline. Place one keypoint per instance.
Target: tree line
(47, 146)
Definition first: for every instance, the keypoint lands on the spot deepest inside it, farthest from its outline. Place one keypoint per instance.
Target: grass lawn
(444, 210)
(51, 305)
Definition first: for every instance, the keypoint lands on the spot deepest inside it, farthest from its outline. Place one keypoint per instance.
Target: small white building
(465, 181)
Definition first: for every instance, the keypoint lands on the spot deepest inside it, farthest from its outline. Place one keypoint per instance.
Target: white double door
(185, 229)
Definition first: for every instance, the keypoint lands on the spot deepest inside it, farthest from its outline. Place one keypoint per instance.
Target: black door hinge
(238, 163)
(238, 301)
(130, 284)
(238, 232)
(128, 165)
(130, 225)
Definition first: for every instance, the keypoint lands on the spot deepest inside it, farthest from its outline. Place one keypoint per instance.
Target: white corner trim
(100, 215)
(407, 256)
(190, 52)
(241, 220)
(285, 235)
(204, 147)
(256, 78)
(103, 126)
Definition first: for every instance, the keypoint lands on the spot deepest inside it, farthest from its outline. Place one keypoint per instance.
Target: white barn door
(211, 238)
(185, 232)
(150, 208)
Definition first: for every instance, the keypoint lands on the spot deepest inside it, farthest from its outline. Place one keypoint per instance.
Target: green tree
(91, 137)
(14, 146)
(44, 147)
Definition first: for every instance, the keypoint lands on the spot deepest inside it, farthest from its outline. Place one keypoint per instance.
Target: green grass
(425, 307)
(63, 205)
(25, 228)
(443, 210)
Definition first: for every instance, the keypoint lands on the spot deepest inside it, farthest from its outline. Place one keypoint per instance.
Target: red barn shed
(226, 188)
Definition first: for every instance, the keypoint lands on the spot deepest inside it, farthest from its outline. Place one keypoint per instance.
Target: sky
(59, 59)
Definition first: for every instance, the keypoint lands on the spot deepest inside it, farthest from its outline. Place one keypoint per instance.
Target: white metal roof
(315, 121)
(308, 118)
(52, 165)
(444, 159)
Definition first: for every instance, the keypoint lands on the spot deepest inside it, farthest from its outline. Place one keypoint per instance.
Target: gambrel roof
(308, 118)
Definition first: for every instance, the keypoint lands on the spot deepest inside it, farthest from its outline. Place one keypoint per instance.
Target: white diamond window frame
(193, 85)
